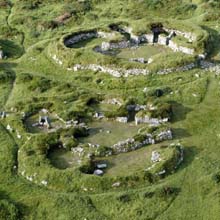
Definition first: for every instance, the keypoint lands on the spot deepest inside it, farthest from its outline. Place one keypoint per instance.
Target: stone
(99, 115)
(44, 121)
(57, 60)
(145, 89)
(44, 111)
(98, 172)
(102, 166)
(3, 115)
(165, 135)
(161, 172)
(116, 184)
(150, 60)
(9, 128)
(139, 60)
(122, 119)
(113, 101)
(202, 56)
(105, 46)
(44, 182)
(116, 72)
(155, 157)
(1, 54)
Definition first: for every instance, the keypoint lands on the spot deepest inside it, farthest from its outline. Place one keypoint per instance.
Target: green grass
(27, 37)
(144, 51)
(108, 133)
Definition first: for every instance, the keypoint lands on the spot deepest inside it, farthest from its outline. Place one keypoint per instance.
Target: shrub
(6, 76)
(25, 77)
(87, 167)
(124, 198)
(139, 137)
(8, 211)
(163, 110)
(41, 84)
(216, 178)
(148, 195)
(103, 151)
(167, 191)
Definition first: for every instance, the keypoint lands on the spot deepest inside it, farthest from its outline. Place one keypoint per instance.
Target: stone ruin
(75, 38)
(130, 144)
(133, 41)
(43, 121)
(155, 37)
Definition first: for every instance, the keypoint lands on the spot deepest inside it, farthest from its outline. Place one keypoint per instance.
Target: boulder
(122, 119)
(98, 172)
(101, 165)
(116, 184)
(155, 157)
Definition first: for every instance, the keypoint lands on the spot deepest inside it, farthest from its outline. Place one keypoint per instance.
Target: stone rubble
(136, 107)
(122, 119)
(113, 101)
(130, 144)
(151, 121)
(209, 66)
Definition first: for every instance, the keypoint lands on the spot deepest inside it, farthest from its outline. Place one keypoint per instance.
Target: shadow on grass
(7, 66)
(57, 158)
(179, 111)
(3, 195)
(11, 49)
(82, 43)
(95, 131)
(212, 46)
(179, 133)
(16, 211)
(189, 156)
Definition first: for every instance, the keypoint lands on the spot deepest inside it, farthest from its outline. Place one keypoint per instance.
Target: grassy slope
(196, 124)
